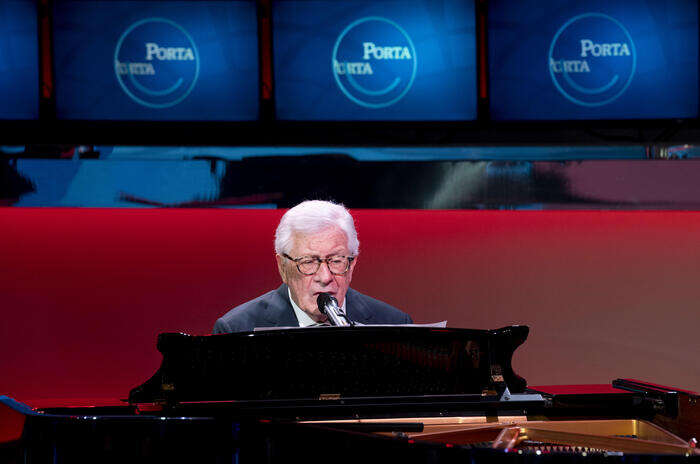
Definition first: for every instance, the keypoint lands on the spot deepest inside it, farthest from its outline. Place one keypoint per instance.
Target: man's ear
(352, 268)
(280, 268)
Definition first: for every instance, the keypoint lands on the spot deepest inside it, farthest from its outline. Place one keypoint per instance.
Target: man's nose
(324, 275)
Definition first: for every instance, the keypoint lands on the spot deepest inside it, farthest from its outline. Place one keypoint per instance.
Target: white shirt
(304, 319)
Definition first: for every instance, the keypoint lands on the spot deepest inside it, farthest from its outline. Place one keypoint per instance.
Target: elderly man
(317, 247)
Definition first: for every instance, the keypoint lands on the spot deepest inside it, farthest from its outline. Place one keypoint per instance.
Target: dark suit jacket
(274, 309)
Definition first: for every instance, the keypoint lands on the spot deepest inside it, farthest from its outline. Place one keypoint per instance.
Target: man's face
(305, 288)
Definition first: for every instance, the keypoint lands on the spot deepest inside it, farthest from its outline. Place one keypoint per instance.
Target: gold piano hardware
(329, 396)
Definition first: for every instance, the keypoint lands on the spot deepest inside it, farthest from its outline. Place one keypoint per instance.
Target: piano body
(343, 394)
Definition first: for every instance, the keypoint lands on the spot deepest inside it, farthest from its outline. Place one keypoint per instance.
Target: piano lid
(334, 363)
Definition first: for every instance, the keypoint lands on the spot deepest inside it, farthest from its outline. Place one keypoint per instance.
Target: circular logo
(156, 62)
(374, 62)
(592, 59)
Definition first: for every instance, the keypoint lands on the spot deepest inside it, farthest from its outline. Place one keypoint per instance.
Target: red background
(84, 292)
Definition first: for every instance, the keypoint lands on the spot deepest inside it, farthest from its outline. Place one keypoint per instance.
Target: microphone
(329, 306)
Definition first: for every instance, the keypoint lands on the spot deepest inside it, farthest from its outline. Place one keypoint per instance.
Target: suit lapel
(279, 311)
(357, 308)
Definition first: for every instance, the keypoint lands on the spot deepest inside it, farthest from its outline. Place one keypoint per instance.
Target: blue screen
(598, 59)
(374, 59)
(19, 60)
(164, 60)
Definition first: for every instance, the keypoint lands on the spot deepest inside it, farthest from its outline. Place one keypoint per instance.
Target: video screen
(599, 59)
(19, 60)
(156, 60)
(374, 59)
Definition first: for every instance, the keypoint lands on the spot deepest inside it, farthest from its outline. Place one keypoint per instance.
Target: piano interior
(518, 434)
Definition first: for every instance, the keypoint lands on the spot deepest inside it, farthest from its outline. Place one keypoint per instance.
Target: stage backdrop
(84, 292)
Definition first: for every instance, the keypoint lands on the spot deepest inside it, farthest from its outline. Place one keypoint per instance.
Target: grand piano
(347, 394)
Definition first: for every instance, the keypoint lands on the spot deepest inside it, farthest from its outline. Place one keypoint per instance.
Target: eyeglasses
(309, 265)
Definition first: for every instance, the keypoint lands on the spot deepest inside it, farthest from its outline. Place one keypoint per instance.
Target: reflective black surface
(173, 430)
(331, 363)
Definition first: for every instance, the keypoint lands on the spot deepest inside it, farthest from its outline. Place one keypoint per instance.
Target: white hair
(312, 216)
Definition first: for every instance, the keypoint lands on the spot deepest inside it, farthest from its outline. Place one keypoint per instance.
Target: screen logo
(592, 59)
(156, 62)
(374, 62)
